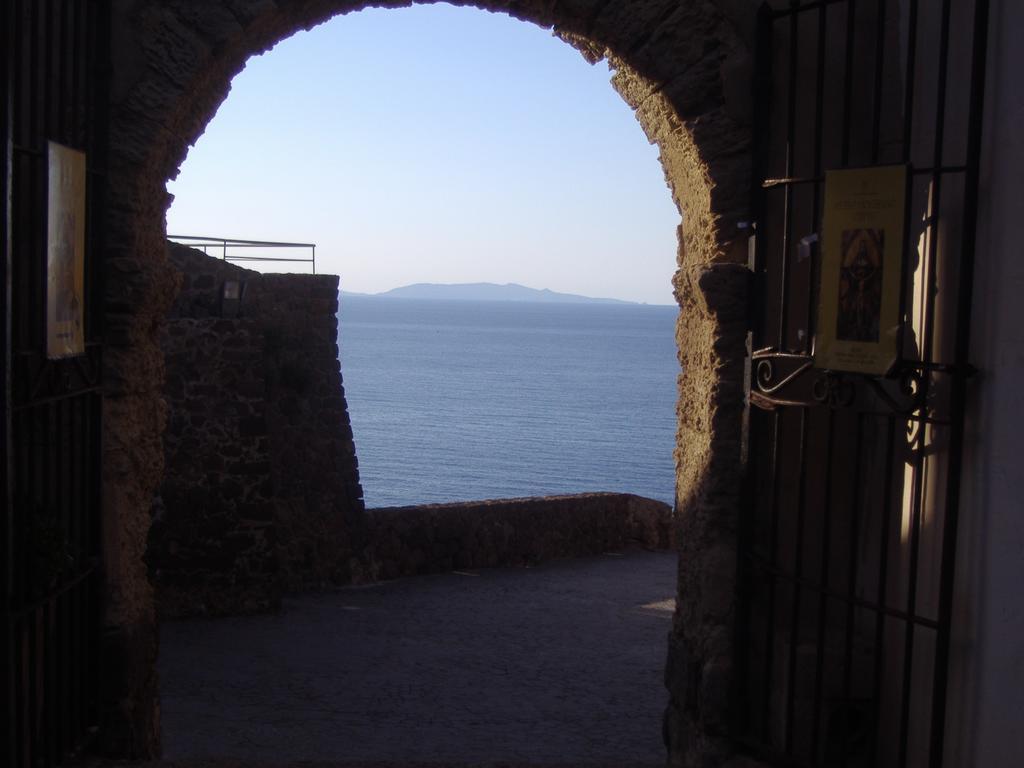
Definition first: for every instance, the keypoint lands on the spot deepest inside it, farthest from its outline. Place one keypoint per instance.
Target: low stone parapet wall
(435, 538)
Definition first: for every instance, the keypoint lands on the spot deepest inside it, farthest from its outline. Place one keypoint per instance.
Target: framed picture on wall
(861, 262)
(65, 252)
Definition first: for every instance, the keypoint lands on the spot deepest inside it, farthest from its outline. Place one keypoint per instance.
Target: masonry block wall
(212, 545)
(437, 538)
(261, 493)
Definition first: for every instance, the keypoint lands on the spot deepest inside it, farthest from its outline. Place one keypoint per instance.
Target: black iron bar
(851, 29)
(773, 546)
(77, 669)
(35, 685)
(65, 663)
(29, 254)
(812, 586)
(92, 97)
(852, 573)
(51, 55)
(931, 283)
(50, 736)
(45, 494)
(819, 118)
(819, 110)
(787, 235)
(916, 505)
(21, 692)
(958, 399)
(907, 156)
(908, 80)
(65, 75)
(65, 670)
(794, 634)
(763, 84)
(82, 510)
(93, 486)
(881, 9)
(95, 668)
(80, 114)
(823, 579)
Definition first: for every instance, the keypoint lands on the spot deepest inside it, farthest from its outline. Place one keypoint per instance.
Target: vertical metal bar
(909, 83)
(12, 50)
(794, 31)
(958, 400)
(53, 59)
(65, 73)
(883, 587)
(49, 735)
(823, 577)
(78, 72)
(763, 83)
(79, 661)
(851, 585)
(915, 539)
(848, 75)
(25, 689)
(798, 575)
(772, 582)
(935, 205)
(819, 109)
(95, 669)
(9, 52)
(908, 135)
(819, 118)
(35, 692)
(851, 29)
(876, 120)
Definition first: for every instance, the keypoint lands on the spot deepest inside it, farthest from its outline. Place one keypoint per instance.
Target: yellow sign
(861, 257)
(65, 252)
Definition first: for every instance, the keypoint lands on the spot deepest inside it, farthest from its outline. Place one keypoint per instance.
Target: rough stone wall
(320, 513)
(684, 67)
(261, 493)
(212, 547)
(436, 538)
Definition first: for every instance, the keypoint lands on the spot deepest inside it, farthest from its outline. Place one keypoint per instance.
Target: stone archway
(682, 65)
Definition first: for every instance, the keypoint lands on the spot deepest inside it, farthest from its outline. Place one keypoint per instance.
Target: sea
(471, 400)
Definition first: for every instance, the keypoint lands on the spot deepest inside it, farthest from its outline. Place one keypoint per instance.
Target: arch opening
(670, 65)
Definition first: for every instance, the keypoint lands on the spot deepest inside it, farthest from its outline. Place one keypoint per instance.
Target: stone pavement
(552, 665)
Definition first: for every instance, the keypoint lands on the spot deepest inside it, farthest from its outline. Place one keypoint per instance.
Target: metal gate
(49, 538)
(849, 535)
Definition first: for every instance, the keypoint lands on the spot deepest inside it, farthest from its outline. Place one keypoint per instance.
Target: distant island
(486, 292)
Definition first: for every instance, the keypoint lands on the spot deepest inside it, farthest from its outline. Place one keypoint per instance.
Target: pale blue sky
(436, 144)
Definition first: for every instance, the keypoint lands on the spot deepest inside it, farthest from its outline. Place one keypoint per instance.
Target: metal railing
(225, 246)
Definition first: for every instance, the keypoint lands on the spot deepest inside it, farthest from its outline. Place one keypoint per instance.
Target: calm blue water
(477, 400)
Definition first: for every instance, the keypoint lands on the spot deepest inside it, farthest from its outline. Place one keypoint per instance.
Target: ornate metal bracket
(789, 379)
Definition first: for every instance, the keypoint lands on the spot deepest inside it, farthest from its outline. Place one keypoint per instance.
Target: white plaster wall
(986, 724)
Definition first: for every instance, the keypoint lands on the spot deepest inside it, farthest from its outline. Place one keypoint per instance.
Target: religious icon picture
(858, 316)
(860, 285)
